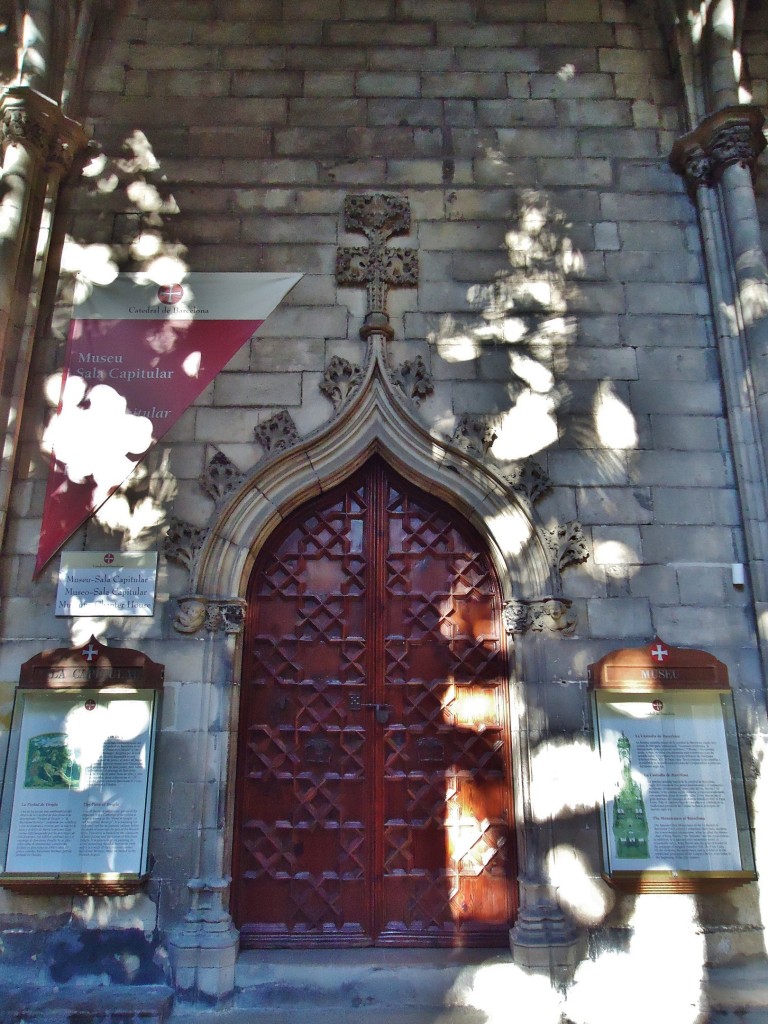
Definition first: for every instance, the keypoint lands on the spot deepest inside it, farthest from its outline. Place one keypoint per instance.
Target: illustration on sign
(50, 763)
(630, 824)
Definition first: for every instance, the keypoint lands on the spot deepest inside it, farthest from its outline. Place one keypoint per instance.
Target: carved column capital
(68, 143)
(35, 122)
(733, 135)
(215, 614)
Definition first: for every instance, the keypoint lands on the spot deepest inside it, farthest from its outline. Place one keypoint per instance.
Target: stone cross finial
(378, 217)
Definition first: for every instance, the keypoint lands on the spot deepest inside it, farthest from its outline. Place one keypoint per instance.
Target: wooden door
(373, 791)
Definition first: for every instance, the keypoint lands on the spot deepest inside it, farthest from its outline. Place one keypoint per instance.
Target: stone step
(364, 1015)
(75, 1004)
(407, 979)
(445, 987)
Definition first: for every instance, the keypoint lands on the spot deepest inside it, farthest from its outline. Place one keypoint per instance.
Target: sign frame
(702, 746)
(66, 682)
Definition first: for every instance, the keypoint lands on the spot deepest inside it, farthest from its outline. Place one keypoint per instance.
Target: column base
(203, 964)
(543, 939)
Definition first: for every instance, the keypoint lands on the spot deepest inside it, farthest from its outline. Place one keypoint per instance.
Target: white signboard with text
(118, 583)
(80, 800)
(669, 791)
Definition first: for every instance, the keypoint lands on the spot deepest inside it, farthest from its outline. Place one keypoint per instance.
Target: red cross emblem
(659, 653)
(109, 558)
(90, 705)
(90, 652)
(657, 705)
(170, 294)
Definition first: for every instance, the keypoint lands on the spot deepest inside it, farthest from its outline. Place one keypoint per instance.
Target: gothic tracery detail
(414, 379)
(221, 477)
(474, 434)
(340, 381)
(278, 433)
(567, 544)
(528, 480)
(183, 541)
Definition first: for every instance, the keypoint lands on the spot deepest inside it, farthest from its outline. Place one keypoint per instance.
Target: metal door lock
(381, 711)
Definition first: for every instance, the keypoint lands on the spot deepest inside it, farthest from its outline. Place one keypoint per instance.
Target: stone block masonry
(561, 303)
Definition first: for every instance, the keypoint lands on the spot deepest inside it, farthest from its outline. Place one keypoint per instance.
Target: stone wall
(561, 293)
(755, 51)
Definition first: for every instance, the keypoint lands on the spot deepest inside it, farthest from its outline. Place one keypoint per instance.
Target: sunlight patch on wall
(92, 263)
(659, 977)
(566, 779)
(142, 156)
(753, 296)
(529, 426)
(759, 803)
(98, 438)
(587, 898)
(512, 531)
(614, 552)
(614, 421)
(495, 987)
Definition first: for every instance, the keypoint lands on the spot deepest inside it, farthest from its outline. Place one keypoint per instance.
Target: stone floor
(397, 987)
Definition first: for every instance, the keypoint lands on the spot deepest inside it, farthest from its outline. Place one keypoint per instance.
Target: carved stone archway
(373, 415)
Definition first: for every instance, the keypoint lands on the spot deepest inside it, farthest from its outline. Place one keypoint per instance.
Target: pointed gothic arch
(376, 420)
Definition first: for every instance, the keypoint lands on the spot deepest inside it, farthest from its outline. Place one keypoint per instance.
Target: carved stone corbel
(215, 614)
(733, 135)
(278, 433)
(545, 613)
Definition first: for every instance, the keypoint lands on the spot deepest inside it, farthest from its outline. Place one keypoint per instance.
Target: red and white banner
(138, 355)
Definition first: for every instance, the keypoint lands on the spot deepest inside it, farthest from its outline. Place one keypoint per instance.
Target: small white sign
(107, 583)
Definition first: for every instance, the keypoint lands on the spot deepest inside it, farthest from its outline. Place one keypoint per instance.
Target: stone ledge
(103, 1004)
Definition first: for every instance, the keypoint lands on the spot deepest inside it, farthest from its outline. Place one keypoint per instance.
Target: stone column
(39, 146)
(204, 950)
(542, 939)
(717, 161)
(36, 171)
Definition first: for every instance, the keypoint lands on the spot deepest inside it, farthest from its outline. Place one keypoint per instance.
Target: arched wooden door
(373, 790)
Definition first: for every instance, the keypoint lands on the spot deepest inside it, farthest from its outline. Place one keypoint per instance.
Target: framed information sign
(76, 796)
(674, 810)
